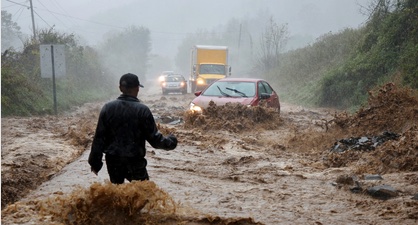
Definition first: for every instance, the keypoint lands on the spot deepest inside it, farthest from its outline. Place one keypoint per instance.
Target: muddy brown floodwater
(236, 165)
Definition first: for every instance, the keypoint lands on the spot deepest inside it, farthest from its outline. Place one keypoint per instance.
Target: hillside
(339, 70)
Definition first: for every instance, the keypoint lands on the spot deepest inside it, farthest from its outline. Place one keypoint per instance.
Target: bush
(25, 93)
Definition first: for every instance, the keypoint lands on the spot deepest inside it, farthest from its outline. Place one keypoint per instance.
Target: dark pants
(131, 168)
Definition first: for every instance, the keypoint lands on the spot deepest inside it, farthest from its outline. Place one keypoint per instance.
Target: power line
(4, 7)
(20, 8)
(21, 11)
(43, 19)
(103, 24)
(59, 5)
(99, 23)
(61, 14)
(18, 3)
(94, 22)
(53, 14)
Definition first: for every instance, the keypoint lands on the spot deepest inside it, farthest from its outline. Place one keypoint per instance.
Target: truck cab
(209, 73)
(209, 64)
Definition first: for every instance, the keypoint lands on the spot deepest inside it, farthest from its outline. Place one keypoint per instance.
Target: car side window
(267, 87)
(261, 88)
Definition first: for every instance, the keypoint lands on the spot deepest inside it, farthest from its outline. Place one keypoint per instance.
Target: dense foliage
(339, 70)
(388, 48)
(297, 76)
(10, 31)
(24, 92)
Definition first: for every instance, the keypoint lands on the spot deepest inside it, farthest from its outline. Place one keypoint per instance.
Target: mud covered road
(238, 167)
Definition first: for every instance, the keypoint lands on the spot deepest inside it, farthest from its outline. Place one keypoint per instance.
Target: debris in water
(363, 143)
(383, 192)
(373, 177)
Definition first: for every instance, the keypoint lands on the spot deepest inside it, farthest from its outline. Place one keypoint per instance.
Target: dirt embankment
(34, 149)
(389, 110)
(235, 165)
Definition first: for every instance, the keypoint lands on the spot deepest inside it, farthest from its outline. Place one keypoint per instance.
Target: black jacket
(123, 127)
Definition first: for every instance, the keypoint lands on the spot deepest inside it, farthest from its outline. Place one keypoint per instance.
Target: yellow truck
(209, 63)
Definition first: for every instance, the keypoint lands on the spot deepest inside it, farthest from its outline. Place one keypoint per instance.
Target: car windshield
(173, 79)
(212, 69)
(231, 89)
(167, 72)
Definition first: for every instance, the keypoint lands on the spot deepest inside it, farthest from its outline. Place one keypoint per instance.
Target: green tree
(24, 92)
(10, 32)
(127, 51)
(271, 45)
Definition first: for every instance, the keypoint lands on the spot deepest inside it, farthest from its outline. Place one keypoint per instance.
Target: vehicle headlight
(195, 108)
(161, 78)
(164, 84)
(182, 84)
(200, 81)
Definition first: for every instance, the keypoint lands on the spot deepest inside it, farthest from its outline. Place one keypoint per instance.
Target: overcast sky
(170, 20)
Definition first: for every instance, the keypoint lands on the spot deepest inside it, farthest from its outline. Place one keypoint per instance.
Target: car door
(273, 101)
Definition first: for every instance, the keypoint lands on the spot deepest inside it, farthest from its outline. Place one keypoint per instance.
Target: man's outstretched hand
(173, 142)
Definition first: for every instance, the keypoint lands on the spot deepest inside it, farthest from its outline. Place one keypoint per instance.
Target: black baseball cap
(130, 80)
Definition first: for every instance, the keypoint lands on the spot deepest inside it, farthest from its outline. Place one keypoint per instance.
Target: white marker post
(52, 65)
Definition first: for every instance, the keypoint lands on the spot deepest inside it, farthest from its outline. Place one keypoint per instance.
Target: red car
(246, 91)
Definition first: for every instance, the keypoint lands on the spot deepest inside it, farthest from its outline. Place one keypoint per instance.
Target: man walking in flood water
(123, 127)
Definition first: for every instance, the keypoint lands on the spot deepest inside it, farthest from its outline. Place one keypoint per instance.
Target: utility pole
(239, 36)
(33, 20)
(239, 44)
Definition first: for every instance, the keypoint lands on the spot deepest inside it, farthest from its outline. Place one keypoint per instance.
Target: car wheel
(164, 92)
